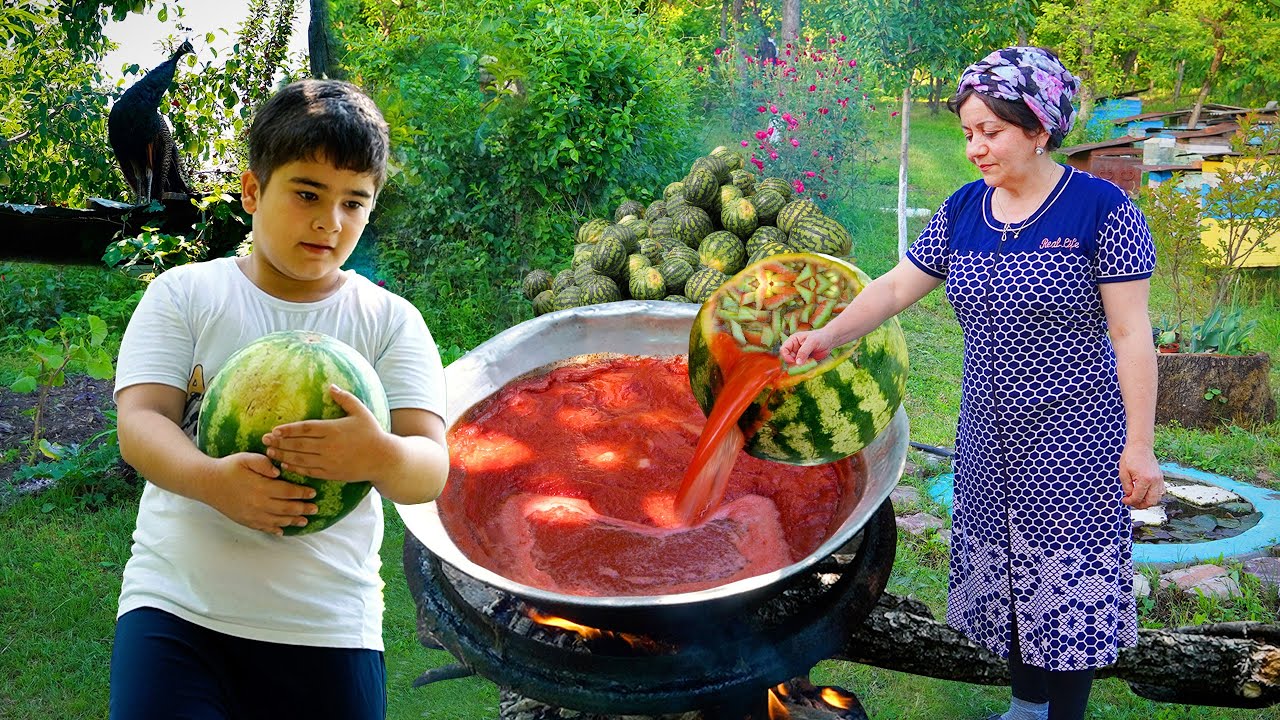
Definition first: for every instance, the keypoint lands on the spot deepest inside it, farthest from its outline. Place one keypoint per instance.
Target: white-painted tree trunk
(902, 172)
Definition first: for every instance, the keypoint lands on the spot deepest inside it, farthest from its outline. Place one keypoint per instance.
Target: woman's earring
(1039, 151)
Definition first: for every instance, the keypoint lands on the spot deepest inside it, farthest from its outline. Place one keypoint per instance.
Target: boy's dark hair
(1014, 112)
(311, 119)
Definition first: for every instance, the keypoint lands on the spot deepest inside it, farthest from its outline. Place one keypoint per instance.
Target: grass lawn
(60, 567)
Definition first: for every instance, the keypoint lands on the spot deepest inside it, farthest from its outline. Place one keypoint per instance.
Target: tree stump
(1237, 385)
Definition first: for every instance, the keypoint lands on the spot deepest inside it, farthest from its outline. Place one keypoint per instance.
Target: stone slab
(1187, 578)
(1201, 495)
(904, 495)
(1150, 516)
(1266, 569)
(1141, 585)
(919, 523)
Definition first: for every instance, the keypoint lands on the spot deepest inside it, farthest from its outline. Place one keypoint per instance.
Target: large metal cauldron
(633, 328)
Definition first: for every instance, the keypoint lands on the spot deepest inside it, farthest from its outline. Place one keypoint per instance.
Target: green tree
(908, 38)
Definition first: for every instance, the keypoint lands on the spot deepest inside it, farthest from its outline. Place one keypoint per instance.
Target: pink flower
(815, 153)
(786, 116)
(773, 155)
(761, 134)
(841, 38)
(745, 143)
(853, 63)
(762, 109)
(822, 196)
(699, 68)
(719, 50)
(798, 185)
(809, 173)
(834, 41)
(795, 142)
(773, 109)
(823, 111)
(769, 132)
(812, 88)
(758, 163)
(893, 114)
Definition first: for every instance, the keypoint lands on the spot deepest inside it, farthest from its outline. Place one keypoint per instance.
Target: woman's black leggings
(1066, 691)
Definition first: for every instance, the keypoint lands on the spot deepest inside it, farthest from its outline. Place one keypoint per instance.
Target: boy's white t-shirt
(322, 589)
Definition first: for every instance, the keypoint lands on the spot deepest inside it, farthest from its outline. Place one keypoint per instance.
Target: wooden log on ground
(1223, 665)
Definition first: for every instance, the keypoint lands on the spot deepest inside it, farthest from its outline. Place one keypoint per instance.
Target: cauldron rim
(630, 327)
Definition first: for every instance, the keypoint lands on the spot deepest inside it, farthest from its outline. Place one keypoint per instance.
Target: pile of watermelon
(683, 247)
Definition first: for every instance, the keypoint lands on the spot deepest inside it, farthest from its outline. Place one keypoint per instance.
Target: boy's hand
(246, 489)
(346, 449)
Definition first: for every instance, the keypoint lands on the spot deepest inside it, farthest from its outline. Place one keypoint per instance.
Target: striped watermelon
(535, 282)
(768, 202)
(821, 411)
(656, 210)
(700, 188)
(281, 378)
(778, 185)
(544, 303)
(739, 217)
(672, 189)
(763, 235)
(789, 215)
(610, 256)
(714, 165)
(685, 253)
(647, 284)
(723, 251)
(628, 207)
(818, 233)
(589, 231)
(563, 279)
(702, 283)
(691, 225)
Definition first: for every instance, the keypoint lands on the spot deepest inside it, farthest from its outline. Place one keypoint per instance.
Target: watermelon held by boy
(818, 412)
(281, 378)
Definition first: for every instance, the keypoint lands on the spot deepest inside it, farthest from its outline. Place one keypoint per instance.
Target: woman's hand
(1141, 478)
(807, 344)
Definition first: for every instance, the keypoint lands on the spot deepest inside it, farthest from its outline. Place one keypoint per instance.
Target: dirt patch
(73, 413)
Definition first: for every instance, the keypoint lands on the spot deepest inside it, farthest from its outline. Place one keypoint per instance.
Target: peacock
(140, 137)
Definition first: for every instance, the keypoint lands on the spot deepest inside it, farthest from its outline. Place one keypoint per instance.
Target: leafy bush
(511, 121)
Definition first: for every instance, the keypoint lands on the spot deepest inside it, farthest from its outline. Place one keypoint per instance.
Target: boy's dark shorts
(165, 667)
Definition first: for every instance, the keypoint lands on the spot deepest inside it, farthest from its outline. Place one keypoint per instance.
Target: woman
(1047, 269)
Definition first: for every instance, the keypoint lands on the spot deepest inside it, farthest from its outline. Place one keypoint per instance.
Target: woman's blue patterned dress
(1037, 515)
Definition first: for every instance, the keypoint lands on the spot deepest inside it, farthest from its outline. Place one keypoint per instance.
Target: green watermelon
(570, 297)
(728, 194)
(610, 256)
(793, 211)
(692, 224)
(672, 189)
(677, 298)
(675, 272)
(544, 303)
(743, 180)
(281, 378)
(647, 284)
(563, 279)
(732, 158)
(768, 202)
(628, 207)
(768, 249)
(782, 187)
(765, 234)
(589, 231)
(675, 203)
(656, 210)
(714, 165)
(700, 188)
(722, 251)
(636, 225)
(823, 410)
(635, 263)
(818, 233)
(739, 217)
(623, 233)
(535, 282)
(599, 289)
(685, 253)
(702, 283)
(582, 253)
(652, 250)
(662, 228)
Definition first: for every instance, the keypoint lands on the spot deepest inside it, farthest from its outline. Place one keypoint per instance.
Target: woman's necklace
(1007, 223)
(1025, 223)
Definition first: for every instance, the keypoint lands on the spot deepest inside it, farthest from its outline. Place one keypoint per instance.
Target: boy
(220, 615)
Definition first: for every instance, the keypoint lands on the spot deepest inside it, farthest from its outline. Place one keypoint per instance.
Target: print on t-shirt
(195, 393)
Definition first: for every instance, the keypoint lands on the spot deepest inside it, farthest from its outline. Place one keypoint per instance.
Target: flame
(835, 698)
(777, 711)
(585, 631)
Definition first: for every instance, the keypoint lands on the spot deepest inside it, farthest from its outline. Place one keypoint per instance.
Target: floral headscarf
(1030, 74)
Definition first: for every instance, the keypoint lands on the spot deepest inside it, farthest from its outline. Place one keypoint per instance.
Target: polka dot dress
(1037, 514)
